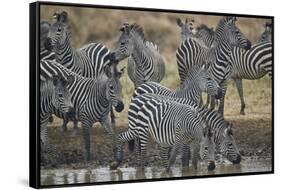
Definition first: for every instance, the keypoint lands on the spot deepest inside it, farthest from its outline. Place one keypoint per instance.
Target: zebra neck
(100, 89)
(140, 54)
(65, 54)
(215, 121)
(46, 101)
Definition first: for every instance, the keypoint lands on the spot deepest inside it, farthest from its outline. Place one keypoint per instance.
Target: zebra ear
(107, 71)
(63, 17)
(56, 17)
(179, 23)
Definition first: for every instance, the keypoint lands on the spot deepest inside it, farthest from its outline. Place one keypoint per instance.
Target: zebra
(191, 52)
(252, 64)
(203, 33)
(54, 95)
(260, 53)
(44, 53)
(215, 120)
(145, 62)
(266, 36)
(169, 121)
(88, 61)
(92, 98)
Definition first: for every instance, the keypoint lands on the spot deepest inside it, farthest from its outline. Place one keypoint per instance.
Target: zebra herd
(83, 85)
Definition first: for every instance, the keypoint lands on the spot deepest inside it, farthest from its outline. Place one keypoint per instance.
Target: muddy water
(70, 176)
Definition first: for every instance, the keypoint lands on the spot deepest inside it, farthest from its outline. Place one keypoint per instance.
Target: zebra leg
(221, 102)
(185, 155)
(143, 149)
(212, 102)
(87, 139)
(195, 155)
(64, 125)
(164, 154)
(75, 125)
(173, 154)
(239, 85)
(112, 117)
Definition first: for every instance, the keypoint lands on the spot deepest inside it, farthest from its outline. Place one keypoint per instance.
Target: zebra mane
(137, 29)
(205, 28)
(152, 45)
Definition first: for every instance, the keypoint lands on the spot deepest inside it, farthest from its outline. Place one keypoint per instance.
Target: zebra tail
(131, 145)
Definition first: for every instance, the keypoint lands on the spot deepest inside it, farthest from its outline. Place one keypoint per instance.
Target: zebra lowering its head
(92, 98)
(215, 120)
(54, 95)
(170, 124)
(145, 62)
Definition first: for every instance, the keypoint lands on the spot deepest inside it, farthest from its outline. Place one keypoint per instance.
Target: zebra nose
(211, 166)
(48, 44)
(249, 45)
(119, 107)
(71, 112)
(237, 160)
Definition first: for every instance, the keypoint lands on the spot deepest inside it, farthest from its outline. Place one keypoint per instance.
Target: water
(71, 176)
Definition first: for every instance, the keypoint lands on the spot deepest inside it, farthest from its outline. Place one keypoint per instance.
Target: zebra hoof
(114, 165)
(242, 112)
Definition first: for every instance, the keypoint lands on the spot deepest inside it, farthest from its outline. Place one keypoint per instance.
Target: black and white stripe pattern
(227, 35)
(44, 53)
(92, 98)
(145, 62)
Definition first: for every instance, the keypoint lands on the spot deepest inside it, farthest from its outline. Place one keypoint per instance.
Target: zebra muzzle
(237, 160)
(119, 107)
(211, 166)
(219, 94)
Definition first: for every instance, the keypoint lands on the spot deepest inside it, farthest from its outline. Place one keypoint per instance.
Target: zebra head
(228, 145)
(207, 83)
(230, 34)
(62, 97)
(131, 36)
(267, 34)
(113, 87)
(58, 32)
(186, 28)
(207, 148)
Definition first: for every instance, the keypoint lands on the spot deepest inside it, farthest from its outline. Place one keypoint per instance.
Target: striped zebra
(145, 62)
(225, 142)
(88, 61)
(44, 53)
(227, 35)
(252, 64)
(54, 95)
(92, 98)
(261, 54)
(266, 36)
(203, 33)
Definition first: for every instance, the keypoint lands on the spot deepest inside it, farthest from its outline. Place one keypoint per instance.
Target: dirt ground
(253, 134)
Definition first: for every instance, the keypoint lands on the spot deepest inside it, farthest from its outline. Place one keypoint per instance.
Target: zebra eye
(111, 86)
(209, 79)
(206, 148)
(59, 29)
(60, 95)
(122, 43)
(229, 144)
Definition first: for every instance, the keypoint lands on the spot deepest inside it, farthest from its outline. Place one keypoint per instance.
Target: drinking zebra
(92, 98)
(88, 61)
(145, 62)
(227, 35)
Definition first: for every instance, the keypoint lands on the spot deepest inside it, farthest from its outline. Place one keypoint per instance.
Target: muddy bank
(253, 137)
